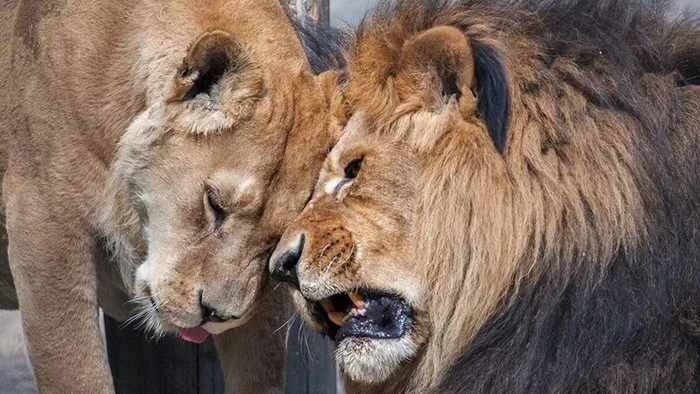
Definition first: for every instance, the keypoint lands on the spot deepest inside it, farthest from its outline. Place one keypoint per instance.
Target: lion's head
(380, 240)
(476, 159)
(199, 183)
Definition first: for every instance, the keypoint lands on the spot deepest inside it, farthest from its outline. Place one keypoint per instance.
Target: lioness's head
(200, 183)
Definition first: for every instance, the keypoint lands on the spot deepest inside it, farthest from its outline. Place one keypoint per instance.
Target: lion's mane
(566, 256)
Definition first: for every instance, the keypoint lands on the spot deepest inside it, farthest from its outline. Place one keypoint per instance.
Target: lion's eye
(213, 206)
(353, 168)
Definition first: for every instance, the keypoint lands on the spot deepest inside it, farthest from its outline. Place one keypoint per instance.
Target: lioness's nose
(284, 268)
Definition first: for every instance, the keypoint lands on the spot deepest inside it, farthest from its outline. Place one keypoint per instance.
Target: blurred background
(15, 374)
(345, 13)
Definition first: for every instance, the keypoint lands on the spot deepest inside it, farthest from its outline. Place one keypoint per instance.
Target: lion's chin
(375, 332)
(368, 360)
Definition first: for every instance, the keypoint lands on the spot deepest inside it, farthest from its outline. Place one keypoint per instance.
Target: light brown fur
(438, 215)
(105, 163)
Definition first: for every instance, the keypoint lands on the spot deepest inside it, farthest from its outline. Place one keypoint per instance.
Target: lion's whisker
(325, 271)
(320, 254)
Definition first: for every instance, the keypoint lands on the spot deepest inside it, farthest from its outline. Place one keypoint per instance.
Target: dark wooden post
(172, 366)
(310, 364)
(168, 365)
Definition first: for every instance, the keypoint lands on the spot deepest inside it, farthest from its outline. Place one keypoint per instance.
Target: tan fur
(438, 216)
(101, 148)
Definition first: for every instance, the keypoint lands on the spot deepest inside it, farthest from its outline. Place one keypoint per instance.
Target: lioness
(515, 196)
(141, 154)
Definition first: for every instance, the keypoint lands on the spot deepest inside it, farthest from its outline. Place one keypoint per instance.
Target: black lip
(387, 316)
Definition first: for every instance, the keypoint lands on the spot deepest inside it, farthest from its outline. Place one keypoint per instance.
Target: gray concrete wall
(11, 339)
(15, 373)
(690, 4)
(349, 12)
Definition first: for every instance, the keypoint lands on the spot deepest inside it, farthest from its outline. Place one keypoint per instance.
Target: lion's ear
(439, 65)
(333, 84)
(216, 74)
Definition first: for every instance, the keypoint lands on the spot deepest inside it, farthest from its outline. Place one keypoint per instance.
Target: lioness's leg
(253, 356)
(50, 253)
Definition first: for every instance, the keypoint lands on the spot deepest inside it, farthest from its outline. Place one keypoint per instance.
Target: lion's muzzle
(284, 267)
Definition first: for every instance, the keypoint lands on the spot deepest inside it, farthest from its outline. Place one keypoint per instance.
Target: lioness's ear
(440, 65)
(216, 75)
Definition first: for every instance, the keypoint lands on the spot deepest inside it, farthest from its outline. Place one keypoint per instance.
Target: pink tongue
(194, 334)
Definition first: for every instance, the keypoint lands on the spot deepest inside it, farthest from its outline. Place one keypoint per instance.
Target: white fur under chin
(368, 360)
(218, 328)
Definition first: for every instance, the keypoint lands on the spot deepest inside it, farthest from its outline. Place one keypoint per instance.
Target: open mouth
(366, 314)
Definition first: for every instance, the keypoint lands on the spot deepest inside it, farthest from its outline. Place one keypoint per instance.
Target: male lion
(151, 131)
(516, 195)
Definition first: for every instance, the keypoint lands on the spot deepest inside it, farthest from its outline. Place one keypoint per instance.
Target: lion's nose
(284, 267)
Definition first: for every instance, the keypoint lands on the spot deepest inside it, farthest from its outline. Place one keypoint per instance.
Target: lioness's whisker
(306, 338)
(289, 329)
(139, 315)
(284, 324)
(271, 291)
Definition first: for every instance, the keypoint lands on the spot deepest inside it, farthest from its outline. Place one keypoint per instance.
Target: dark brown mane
(595, 106)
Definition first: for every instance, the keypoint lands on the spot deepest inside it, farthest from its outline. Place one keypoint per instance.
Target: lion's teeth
(338, 318)
(357, 300)
(357, 312)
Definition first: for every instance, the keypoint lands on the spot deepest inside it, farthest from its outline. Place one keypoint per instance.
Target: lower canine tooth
(337, 318)
(357, 300)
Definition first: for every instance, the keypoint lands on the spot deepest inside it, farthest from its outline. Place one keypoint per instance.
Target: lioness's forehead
(239, 180)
